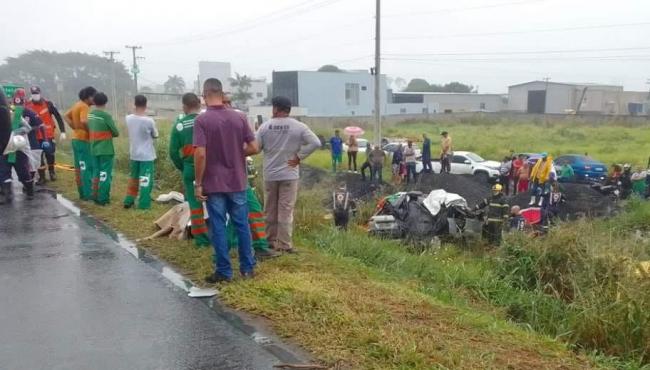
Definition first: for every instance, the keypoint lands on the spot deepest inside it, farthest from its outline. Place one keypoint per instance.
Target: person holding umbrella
(353, 133)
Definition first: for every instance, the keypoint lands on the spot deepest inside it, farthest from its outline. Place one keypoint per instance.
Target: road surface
(71, 298)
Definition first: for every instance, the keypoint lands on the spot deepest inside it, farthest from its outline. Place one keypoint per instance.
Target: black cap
(444, 133)
(282, 103)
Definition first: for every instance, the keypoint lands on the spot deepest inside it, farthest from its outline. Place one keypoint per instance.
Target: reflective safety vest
(43, 112)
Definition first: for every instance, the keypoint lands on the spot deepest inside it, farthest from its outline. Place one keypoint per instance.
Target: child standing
(142, 132)
(101, 131)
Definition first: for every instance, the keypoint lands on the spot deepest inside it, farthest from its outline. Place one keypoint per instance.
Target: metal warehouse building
(565, 98)
(440, 102)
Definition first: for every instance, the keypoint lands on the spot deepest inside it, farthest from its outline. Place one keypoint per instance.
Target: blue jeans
(236, 206)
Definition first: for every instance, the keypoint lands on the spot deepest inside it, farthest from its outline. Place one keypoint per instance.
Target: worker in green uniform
(181, 152)
(101, 131)
(256, 219)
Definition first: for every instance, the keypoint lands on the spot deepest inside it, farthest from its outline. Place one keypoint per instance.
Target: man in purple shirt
(222, 140)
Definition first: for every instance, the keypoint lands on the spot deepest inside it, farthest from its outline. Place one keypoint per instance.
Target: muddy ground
(581, 200)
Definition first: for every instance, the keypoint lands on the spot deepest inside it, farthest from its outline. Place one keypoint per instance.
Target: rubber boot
(41, 178)
(29, 190)
(541, 201)
(8, 193)
(52, 174)
(532, 201)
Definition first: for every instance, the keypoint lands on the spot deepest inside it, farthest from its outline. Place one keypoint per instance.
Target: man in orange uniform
(77, 118)
(45, 136)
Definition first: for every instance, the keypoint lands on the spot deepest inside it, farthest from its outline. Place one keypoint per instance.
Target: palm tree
(174, 85)
(242, 83)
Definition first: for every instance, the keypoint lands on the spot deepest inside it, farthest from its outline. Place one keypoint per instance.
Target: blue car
(585, 168)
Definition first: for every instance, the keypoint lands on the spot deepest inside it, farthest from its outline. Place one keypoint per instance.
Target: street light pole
(378, 72)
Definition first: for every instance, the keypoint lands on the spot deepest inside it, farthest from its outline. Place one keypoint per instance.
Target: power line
(247, 25)
(525, 52)
(454, 10)
(576, 28)
(622, 58)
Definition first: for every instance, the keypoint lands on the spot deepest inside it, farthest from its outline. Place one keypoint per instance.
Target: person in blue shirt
(336, 144)
(426, 154)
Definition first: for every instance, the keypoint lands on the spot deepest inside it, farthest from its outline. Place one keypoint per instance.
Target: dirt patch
(467, 186)
(310, 176)
(581, 201)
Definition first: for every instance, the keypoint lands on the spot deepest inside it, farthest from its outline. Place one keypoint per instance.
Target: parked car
(363, 143)
(391, 147)
(467, 163)
(585, 168)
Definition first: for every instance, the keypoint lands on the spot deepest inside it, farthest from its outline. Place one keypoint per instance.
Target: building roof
(443, 93)
(576, 84)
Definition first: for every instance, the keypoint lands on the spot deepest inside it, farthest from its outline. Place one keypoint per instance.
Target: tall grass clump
(591, 268)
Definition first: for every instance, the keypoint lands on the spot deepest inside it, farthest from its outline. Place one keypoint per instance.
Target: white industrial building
(219, 70)
(330, 94)
(442, 102)
(259, 92)
(568, 98)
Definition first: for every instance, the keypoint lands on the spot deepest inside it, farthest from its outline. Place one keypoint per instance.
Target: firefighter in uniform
(497, 214)
(181, 152)
(45, 109)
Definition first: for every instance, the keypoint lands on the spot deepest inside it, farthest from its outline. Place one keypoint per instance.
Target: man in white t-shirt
(285, 142)
(142, 132)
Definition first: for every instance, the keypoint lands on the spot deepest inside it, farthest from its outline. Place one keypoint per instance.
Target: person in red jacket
(47, 112)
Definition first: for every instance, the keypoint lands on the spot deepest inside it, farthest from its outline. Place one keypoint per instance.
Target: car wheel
(482, 176)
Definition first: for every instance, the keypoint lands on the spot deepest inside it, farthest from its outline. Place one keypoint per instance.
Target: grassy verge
(494, 137)
(351, 311)
(376, 304)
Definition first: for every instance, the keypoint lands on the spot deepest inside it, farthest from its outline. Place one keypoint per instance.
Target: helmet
(34, 90)
(497, 188)
(19, 142)
(627, 166)
(544, 155)
(19, 96)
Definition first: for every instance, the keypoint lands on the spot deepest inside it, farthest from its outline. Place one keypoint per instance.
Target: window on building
(364, 88)
(425, 110)
(482, 106)
(259, 95)
(352, 94)
(402, 110)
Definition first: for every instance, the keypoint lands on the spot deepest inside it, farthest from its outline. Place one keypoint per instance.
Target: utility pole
(134, 69)
(377, 72)
(110, 54)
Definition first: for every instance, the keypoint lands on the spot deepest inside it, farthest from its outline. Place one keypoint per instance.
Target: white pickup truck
(468, 163)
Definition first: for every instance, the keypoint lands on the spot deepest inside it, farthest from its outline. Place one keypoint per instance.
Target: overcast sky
(489, 43)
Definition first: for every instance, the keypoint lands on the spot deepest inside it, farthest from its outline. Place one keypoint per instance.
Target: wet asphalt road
(70, 298)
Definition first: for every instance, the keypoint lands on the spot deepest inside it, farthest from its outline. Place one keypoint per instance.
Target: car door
(461, 165)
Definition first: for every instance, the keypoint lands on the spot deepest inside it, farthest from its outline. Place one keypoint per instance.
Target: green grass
(376, 304)
(493, 137)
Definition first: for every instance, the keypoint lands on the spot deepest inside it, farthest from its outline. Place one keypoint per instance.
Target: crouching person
(497, 214)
